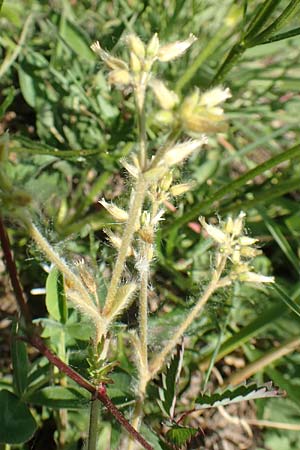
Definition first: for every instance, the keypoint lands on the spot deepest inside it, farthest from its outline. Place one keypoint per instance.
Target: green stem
(159, 360)
(93, 426)
(233, 56)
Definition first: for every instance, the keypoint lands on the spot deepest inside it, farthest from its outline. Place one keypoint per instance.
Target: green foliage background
(67, 132)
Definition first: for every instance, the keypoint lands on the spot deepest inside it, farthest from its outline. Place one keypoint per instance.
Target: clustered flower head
(237, 248)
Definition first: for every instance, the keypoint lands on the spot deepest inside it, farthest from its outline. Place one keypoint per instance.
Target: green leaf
(20, 362)
(239, 394)
(57, 397)
(170, 381)
(287, 299)
(179, 436)
(17, 422)
(281, 240)
(7, 101)
(56, 302)
(74, 38)
(263, 13)
(281, 36)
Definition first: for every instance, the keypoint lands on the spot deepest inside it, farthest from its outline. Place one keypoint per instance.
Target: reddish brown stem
(13, 274)
(99, 393)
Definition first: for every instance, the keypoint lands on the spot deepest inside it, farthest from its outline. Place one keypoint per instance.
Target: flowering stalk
(158, 361)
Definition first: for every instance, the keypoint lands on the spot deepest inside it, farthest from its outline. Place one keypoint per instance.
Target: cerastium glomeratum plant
(183, 122)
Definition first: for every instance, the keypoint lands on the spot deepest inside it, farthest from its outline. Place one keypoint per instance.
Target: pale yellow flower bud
(119, 77)
(180, 152)
(166, 182)
(136, 45)
(116, 241)
(164, 117)
(238, 224)
(130, 168)
(155, 174)
(152, 47)
(253, 277)
(135, 63)
(245, 240)
(214, 232)
(165, 97)
(119, 214)
(112, 62)
(171, 51)
(214, 97)
(228, 227)
(182, 188)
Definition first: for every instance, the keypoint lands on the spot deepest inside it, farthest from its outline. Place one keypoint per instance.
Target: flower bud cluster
(141, 59)
(197, 113)
(237, 248)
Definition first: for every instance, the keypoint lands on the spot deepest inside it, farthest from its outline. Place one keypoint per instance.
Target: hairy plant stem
(138, 198)
(51, 254)
(93, 425)
(159, 360)
(133, 214)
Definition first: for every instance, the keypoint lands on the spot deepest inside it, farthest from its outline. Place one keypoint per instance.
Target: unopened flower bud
(253, 277)
(179, 189)
(119, 77)
(164, 117)
(152, 47)
(112, 62)
(246, 240)
(171, 51)
(165, 97)
(214, 232)
(116, 241)
(130, 168)
(135, 63)
(180, 152)
(166, 182)
(136, 45)
(214, 97)
(238, 224)
(117, 213)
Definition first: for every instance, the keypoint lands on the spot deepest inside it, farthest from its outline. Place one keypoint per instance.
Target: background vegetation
(67, 131)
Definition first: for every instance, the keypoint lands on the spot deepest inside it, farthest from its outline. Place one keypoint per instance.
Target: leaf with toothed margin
(167, 392)
(238, 394)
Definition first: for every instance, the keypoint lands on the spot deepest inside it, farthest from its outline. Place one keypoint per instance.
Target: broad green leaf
(20, 362)
(179, 436)
(57, 397)
(17, 422)
(239, 394)
(74, 38)
(56, 302)
(170, 381)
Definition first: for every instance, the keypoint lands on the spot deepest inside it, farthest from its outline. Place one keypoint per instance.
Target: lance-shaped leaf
(239, 394)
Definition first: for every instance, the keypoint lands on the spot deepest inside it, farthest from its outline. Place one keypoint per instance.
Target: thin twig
(13, 274)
